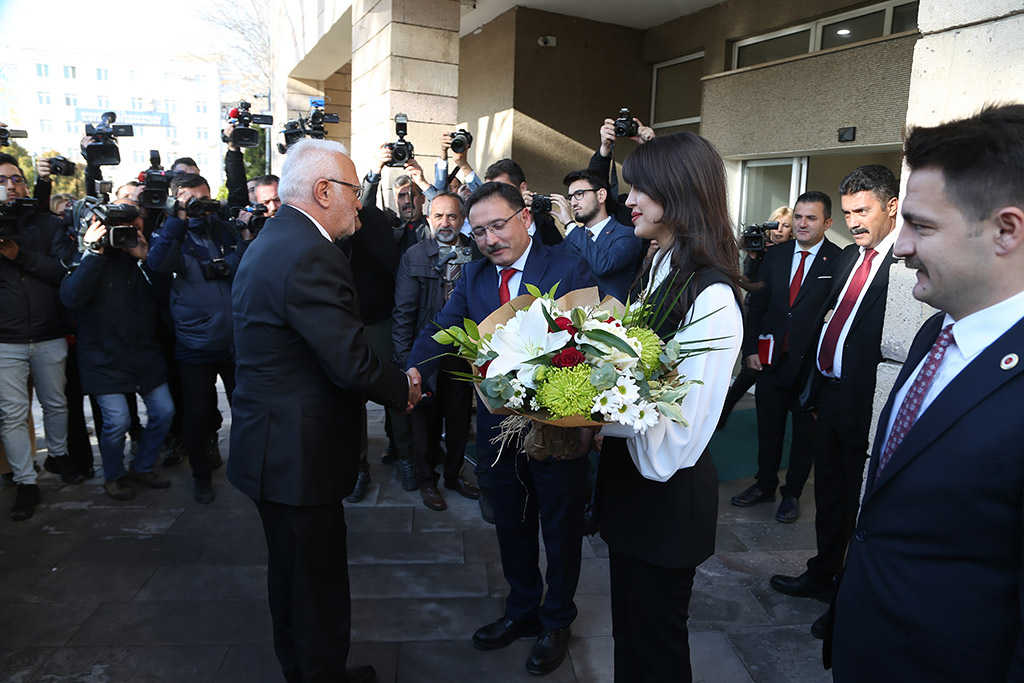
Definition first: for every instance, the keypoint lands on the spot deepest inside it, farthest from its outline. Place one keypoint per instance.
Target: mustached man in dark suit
(842, 383)
(303, 370)
(932, 589)
(795, 279)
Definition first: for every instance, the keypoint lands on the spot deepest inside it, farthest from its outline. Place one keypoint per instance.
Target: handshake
(415, 391)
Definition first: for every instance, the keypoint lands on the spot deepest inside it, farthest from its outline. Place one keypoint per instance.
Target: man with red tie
(795, 278)
(847, 353)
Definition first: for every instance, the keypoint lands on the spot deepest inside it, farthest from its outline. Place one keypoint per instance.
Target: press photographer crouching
(203, 251)
(110, 293)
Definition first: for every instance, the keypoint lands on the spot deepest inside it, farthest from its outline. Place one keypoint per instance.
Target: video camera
(243, 135)
(462, 140)
(11, 212)
(61, 166)
(312, 125)
(103, 150)
(625, 126)
(401, 150)
(752, 237)
(193, 208)
(117, 217)
(257, 217)
(157, 182)
(540, 205)
(6, 134)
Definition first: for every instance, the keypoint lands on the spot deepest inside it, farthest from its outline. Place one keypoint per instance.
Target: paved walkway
(164, 589)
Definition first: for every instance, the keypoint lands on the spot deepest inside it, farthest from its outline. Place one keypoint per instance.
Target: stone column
(405, 59)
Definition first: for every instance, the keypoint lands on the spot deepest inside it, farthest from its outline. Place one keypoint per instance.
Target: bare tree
(244, 54)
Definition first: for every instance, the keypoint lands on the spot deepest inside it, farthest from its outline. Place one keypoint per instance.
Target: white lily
(531, 340)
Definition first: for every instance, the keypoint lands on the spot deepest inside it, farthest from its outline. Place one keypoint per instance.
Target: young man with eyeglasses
(528, 496)
(32, 338)
(611, 248)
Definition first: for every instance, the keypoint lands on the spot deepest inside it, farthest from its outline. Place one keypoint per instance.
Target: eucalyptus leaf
(604, 377)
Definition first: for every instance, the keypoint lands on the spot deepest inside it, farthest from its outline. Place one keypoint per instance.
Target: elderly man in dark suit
(523, 490)
(932, 589)
(842, 382)
(796, 277)
(303, 369)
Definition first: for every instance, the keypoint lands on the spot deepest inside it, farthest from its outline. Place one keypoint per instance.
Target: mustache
(914, 263)
(858, 231)
(495, 247)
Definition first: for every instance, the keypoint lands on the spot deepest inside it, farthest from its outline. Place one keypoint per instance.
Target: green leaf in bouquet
(534, 290)
(672, 412)
(492, 386)
(552, 325)
(590, 350)
(604, 377)
(539, 360)
(443, 337)
(472, 331)
(554, 288)
(609, 339)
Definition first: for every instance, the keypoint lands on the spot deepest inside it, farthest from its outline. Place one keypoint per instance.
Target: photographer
(442, 180)
(265, 193)
(412, 168)
(110, 293)
(509, 172)
(603, 164)
(203, 252)
(234, 172)
(32, 343)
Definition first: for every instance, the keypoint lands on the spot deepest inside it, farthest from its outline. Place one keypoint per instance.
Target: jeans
(117, 420)
(44, 362)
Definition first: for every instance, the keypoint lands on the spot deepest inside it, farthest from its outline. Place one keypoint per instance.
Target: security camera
(547, 41)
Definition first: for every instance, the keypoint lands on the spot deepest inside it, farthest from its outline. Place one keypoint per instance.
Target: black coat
(114, 305)
(373, 257)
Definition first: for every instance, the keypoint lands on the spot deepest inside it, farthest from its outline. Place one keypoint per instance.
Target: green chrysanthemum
(567, 391)
(650, 349)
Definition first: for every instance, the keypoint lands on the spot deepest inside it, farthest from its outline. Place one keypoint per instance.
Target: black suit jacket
(769, 311)
(303, 368)
(933, 588)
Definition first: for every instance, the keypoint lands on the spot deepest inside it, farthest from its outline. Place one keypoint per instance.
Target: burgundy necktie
(503, 294)
(838, 321)
(794, 286)
(907, 415)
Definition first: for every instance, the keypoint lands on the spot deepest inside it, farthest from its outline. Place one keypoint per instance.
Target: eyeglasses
(16, 179)
(494, 228)
(355, 188)
(580, 194)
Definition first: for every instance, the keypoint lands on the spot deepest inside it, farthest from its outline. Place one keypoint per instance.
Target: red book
(765, 348)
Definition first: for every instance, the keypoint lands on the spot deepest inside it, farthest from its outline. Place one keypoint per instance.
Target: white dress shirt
(812, 253)
(594, 231)
(315, 222)
(520, 266)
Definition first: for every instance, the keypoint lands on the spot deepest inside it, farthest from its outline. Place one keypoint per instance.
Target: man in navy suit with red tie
(523, 489)
(933, 588)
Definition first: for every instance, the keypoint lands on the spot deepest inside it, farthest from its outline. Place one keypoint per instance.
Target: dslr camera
(625, 126)
(215, 268)
(540, 205)
(312, 125)
(6, 134)
(11, 212)
(244, 135)
(462, 140)
(752, 237)
(61, 166)
(157, 182)
(103, 150)
(401, 150)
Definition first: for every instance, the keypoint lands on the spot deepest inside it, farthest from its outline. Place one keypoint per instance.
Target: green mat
(734, 449)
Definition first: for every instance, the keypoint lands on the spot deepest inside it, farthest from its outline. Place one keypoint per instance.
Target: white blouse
(668, 446)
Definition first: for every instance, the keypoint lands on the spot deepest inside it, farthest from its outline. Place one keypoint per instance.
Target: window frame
(654, 91)
(797, 179)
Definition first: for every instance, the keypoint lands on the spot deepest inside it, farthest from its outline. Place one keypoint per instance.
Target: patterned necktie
(838, 320)
(907, 415)
(798, 277)
(503, 294)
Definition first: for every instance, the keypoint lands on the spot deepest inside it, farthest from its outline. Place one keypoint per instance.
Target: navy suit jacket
(933, 588)
(476, 297)
(614, 257)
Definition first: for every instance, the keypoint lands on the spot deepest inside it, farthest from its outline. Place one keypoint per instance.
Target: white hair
(307, 161)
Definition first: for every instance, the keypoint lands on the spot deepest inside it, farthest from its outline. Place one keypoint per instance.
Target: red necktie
(835, 325)
(907, 415)
(794, 286)
(503, 294)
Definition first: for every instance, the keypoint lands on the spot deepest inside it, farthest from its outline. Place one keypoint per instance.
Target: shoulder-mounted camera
(244, 135)
(102, 151)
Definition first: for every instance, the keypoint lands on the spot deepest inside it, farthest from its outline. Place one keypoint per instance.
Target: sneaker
(203, 491)
(69, 474)
(25, 501)
(359, 492)
(119, 489)
(150, 480)
(406, 473)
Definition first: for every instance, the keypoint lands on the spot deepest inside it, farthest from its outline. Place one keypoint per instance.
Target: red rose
(483, 369)
(565, 325)
(568, 358)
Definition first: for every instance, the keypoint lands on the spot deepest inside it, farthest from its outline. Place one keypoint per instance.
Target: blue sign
(131, 118)
(316, 102)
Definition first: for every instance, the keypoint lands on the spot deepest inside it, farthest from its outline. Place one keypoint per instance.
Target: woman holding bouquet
(657, 497)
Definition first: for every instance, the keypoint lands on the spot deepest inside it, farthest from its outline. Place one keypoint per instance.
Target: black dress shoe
(802, 586)
(486, 510)
(432, 498)
(25, 500)
(407, 475)
(789, 510)
(360, 674)
(549, 651)
(69, 474)
(818, 627)
(753, 496)
(503, 632)
(464, 487)
(359, 492)
(389, 455)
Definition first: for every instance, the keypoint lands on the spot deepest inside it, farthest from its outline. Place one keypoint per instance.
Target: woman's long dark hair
(685, 175)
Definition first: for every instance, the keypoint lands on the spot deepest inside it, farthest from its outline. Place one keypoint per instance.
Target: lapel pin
(1009, 361)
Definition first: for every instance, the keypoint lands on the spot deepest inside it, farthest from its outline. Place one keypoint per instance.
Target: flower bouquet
(574, 362)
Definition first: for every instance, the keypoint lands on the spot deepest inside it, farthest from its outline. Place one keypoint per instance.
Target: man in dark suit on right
(796, 277)
(932, 589)
(842, 382)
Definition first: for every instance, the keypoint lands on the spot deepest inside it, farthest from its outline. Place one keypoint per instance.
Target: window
(875, 21)
(200, 107)
(769, 184)
(203, 159)
(169, 106)
(102, 75)
(140, 157)
(44, 98)
(43, 70)
(71, 99)
(72, 126)
(172, 132)
(201, 133)
(70, 72)
(676, 92)
(137, 103)
(102, 101)
(45, 126)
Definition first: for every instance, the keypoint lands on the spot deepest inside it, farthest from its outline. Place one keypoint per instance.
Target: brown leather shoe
(465, 488)
(432, 498)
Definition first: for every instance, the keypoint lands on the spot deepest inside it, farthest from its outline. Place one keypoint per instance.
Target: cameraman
(32, 343)
(511, 173)
(234, 174)
(442, 180)
(265, 193)
(413, 171)
(602, 163)
(203, 252)
(111, 295)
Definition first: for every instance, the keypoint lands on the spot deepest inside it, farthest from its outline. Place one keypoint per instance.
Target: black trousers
(744, 380)
(777, 391)
(839, 458)
(650, 607)
(199, 403)
(79, 446)
(447, 411)
(307, 584)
